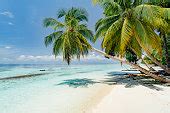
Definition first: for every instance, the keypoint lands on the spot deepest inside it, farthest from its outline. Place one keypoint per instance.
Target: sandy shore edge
(102, 91)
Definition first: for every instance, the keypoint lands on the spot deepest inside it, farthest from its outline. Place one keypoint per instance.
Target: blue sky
(22, 34)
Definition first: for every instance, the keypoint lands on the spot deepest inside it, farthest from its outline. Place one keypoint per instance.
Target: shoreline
(104, 90)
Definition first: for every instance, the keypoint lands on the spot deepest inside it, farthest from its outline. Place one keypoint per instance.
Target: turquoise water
(35, 94)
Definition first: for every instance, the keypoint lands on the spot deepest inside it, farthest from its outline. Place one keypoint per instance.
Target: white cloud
(47, 58)
(10, 23)
(93, 56)
(7, 47)
(44, 58)
(8, 14)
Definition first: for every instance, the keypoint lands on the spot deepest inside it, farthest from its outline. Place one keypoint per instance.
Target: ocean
(51, 88)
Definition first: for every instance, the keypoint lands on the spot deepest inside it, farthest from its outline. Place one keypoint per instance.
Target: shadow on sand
(114, 78)
(132, 81)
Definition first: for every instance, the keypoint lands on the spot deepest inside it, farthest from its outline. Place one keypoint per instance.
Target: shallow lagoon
(59, 89)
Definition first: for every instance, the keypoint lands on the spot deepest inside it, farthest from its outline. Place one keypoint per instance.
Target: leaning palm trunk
(168, 51)
(156, 77)
(166, 40)
(157, 62)
(149, 67)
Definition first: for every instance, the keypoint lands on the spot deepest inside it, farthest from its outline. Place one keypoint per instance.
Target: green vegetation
(128, 30)
(131, 26)
(70, 37)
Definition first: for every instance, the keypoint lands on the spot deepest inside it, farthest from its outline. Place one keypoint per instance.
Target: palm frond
(78, 13)
(153, 40)
(112, 31)
(51, 22)
(148, 11)
(98, 24)
(97, 1)
(126, 35)
(81, 14)
(61, 13)
(137, 2)
(66, 48)
(113, 45)
(102, 29)
(83, 40)
(111, 8)
(52, 37)
(73, 23)
(153, 15)
(166, 13)
(147, 38)
(103, 25)
(106, 20)
(88, 34)
(57, 46)
(135, 47)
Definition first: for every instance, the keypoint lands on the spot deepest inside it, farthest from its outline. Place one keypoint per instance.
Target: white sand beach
(138, 99)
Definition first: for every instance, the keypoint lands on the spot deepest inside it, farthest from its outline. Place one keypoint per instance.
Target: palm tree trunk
(157, 62)
(149, 67)
(165, 47)
(156, 77)
(168, 49)
(166, 40)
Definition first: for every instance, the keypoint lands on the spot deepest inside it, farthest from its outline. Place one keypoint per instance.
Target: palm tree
(131, 26)
(165, 35)
(70, 38)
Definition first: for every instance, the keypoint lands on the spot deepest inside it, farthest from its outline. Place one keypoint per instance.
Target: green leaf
(112, 31)
(51, 22)
(126, 35)
(61, 13)
(52, 37)
(147, 38)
